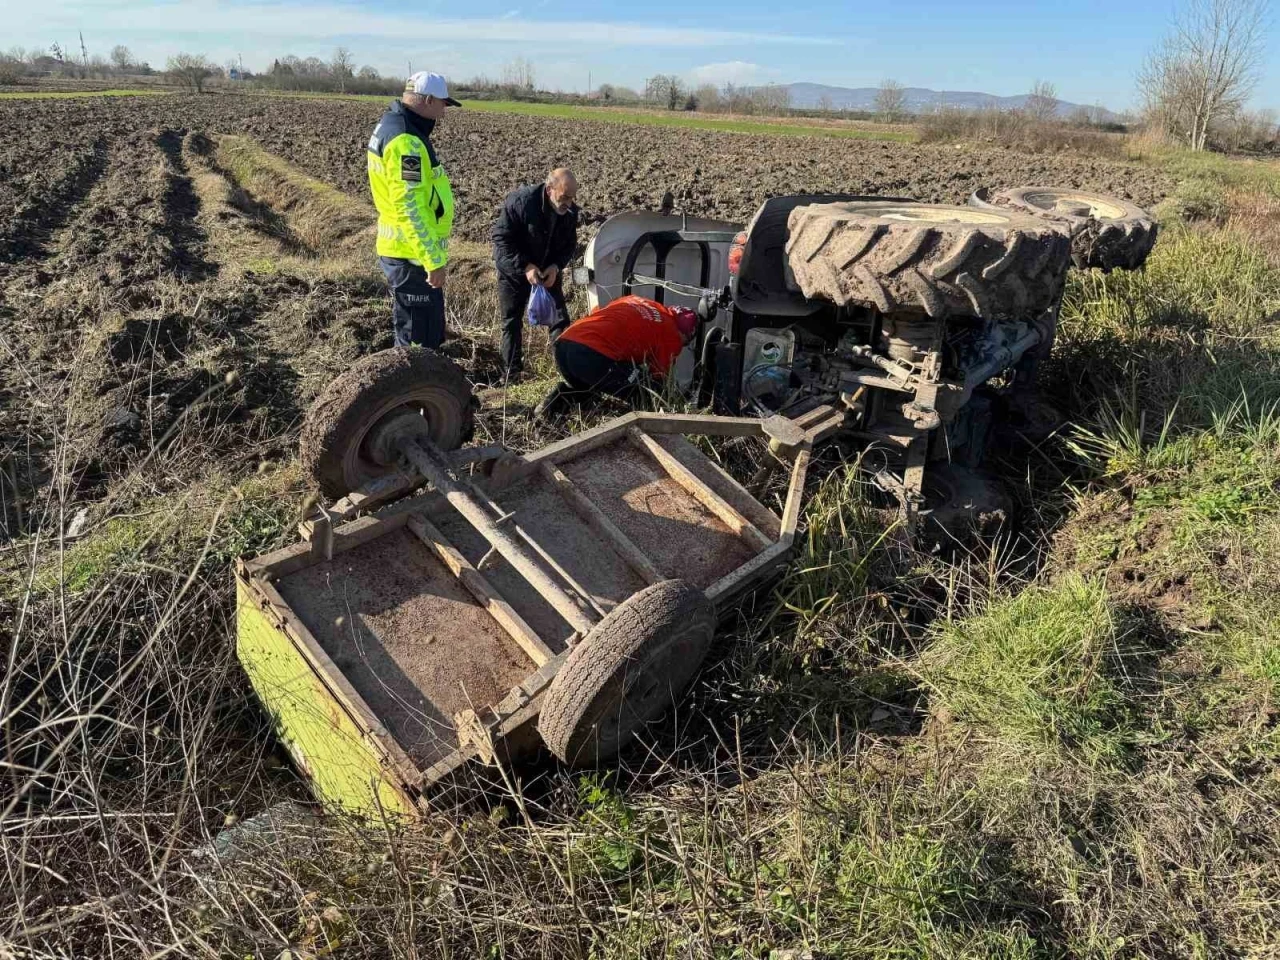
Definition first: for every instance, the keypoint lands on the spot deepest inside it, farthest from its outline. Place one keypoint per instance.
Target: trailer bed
(394, 648)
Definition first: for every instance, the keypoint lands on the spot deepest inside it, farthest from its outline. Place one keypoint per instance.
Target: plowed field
(126, 291)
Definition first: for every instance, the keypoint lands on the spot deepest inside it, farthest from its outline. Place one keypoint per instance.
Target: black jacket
(528, 230)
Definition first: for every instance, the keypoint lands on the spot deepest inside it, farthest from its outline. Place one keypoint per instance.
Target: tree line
(19, 63)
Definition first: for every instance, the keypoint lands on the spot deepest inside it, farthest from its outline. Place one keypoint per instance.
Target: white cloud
(733, 71)
(315, 21)
(510, 15)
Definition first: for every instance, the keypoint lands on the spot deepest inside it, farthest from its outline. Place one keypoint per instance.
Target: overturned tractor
(452, 606)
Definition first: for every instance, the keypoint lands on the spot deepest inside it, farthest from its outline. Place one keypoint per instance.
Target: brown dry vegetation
(1060, 742)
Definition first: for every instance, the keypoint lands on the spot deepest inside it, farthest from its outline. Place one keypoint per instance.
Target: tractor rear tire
(627, 672)
(391, 383)
(926, 258)
(1106, 232)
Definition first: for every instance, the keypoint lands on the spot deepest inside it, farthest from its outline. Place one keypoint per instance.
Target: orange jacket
(632, 330)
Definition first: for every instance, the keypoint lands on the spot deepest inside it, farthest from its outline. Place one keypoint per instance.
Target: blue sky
(1090, 49)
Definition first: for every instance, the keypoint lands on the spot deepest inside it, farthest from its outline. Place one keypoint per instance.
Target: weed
(1043, 670)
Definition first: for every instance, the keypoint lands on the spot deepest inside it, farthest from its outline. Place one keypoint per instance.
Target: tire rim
(910, 213)
(1099, 208)
(434, 406)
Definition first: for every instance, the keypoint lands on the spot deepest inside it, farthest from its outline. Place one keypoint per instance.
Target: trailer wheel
(1106, 232)
(627, 672)
(927, 258)
(401, 391)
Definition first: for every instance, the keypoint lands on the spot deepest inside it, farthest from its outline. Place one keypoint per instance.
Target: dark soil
(620, 166)
(117, 315)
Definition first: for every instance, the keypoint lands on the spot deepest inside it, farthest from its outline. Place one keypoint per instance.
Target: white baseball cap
(430, 85)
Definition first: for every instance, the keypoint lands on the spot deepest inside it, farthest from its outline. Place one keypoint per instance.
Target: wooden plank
(581, 443)
(336, 682)
(729, 488)
(751, 574)
(381, 490)
(632, 555)
(700, 423)
(708, 497)
(481, 589)
(346, 537)
(795, 494)
(346, 767)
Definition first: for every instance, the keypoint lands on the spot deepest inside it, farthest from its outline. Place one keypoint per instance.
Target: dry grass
(1018, 131)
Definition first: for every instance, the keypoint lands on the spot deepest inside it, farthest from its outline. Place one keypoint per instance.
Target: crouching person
(612, 348)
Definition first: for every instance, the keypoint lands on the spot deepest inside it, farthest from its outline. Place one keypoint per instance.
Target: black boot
(556, 403)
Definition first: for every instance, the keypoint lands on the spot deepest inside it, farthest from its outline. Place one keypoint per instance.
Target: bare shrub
(190, 70)
(1017, 131)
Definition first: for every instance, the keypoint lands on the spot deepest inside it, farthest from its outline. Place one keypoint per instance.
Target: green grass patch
(67, 94)
(682, 120)
(1042, 670)
(1194, 280)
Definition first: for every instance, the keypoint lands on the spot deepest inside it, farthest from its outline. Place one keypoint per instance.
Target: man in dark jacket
(534, 239)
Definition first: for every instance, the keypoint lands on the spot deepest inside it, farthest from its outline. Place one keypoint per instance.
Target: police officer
(415, 208)
(534, 239)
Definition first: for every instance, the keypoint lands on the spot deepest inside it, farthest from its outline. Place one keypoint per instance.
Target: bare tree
(1204, 71)
(1042, 102)
(891, 100)
(708, 97)
(770, 99)
(825, 104)
(341, 66)
(518, 75)
(190, 70)
(121, 57)
(369, 73)
(666, 89)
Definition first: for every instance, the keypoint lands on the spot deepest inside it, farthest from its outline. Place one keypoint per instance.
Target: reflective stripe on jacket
(410, 189)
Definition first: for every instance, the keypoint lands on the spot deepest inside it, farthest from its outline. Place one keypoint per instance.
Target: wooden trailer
(566, 595)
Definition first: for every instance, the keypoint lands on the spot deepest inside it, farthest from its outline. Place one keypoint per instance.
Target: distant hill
(919, 99)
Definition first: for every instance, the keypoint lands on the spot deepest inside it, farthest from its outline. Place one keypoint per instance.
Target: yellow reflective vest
(410, 189)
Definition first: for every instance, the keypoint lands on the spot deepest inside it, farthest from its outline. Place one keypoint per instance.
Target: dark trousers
(513, 300)
(590, 371)
(417, 315)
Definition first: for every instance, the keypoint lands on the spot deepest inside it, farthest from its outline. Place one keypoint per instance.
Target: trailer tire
(1107, 232)
(384, 384)
(928, 258)
(627, 672)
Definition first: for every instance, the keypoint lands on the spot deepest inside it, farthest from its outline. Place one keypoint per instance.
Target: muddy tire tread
(588, 685)
(1122, 243)
(341, 408)
(846, 254)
